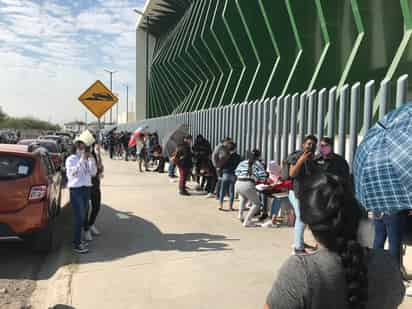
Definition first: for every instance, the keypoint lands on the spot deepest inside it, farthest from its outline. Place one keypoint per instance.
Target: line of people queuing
(224, 173)
(143, 147)
(338, 272)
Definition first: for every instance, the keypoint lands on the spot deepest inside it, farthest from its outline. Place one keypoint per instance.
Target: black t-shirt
(334, 164)
(307, 169)
(230, 166)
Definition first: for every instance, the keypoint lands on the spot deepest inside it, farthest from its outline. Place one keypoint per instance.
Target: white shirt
(79, 171)
(139, 146)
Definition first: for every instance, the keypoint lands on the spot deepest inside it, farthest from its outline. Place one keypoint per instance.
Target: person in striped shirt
(249, 172)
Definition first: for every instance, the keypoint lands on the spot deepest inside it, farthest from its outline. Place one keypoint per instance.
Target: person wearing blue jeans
(299, 225)
(218, 184)
(172, 169)
(276, 204)
(80, 168)
(228, 180)
(227, 185)
(79, 199)
(302, 165)
(389, 226)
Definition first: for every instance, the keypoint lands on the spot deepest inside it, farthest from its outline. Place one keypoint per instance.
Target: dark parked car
(55, 150)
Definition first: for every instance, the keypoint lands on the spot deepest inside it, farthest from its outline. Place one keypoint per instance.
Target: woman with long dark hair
(90, 228)
(341, 274)
(248, 173)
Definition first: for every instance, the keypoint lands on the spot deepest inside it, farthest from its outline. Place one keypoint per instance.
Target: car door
(57, 178)
(49, 168)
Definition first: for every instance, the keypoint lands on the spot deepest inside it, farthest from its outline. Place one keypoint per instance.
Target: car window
(47, 164)
(53, 167)
(51, 147)
(15, 167)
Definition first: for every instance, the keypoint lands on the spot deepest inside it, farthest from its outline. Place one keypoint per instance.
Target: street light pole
(127, 103)
(111, 89)
(147, 57)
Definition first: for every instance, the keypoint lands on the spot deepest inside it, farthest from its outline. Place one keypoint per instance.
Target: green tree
(25, 123)
(3, 116)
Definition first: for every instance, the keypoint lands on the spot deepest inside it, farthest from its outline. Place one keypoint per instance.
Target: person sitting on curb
(275, 184)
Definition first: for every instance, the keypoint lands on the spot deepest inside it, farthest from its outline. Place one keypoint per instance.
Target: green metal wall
(229, 51)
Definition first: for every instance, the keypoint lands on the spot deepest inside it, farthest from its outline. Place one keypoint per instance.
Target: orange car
(30, 195)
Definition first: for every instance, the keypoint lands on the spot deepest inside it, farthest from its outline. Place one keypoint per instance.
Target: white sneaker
(84, 243)
(88, 235)
(94, 230)
(249, 224)
(268, 224)
(408, 292)
(210, 195)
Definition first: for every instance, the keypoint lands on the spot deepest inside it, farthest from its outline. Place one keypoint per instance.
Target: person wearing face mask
(331, 162)
(80, 168)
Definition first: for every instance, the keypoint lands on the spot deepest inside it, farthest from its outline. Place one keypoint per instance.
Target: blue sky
(51, 50)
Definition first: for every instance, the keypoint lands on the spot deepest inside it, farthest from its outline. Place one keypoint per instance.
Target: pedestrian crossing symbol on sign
(98, 99)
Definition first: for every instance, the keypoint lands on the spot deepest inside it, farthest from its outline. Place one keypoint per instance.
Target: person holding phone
(80, 168)
(302, 165)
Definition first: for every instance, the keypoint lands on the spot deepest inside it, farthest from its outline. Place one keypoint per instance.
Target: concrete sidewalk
(160, 250)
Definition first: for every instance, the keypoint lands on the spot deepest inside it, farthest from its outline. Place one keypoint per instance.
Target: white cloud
(50, 53)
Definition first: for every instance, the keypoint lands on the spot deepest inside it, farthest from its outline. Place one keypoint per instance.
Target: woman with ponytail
(341, 274)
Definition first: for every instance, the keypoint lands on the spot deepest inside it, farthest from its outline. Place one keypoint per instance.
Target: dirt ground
(21, 267)
(14, 294)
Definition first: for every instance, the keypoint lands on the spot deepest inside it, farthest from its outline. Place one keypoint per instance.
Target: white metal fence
(277, 125)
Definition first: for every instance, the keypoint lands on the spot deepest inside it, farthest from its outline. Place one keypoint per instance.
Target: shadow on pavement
(18, 261)
(123, 234)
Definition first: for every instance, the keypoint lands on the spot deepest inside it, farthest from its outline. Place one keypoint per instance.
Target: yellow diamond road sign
(98, 99)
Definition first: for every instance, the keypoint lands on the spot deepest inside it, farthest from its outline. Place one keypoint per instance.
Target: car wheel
(41, 241)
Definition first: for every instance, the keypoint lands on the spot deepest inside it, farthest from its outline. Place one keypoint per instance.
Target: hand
(85, 155)
(305, 156)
